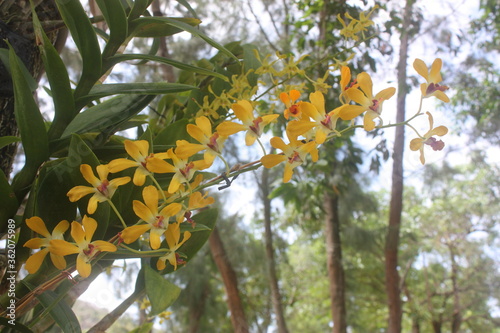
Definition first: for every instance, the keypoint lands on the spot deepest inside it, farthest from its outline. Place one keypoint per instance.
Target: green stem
(117, 213)
(262, 146)
(158, 187)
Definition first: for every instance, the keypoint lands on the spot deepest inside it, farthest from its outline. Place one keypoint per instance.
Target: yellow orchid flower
(369, 103)
(102, 188)
(292, 108)
(428, 139)
(86, 250)
(323, 123)
(201, 132)
(346, 83)
(173, 235)
(433, 77)
(145, 162)
(35, 260)
(243, 110)
(184, 170)
(156, 222)
(196, 200)
(294, 154)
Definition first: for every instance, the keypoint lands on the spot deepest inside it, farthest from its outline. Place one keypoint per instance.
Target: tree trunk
(392, 278)
(334, 262)
(234, 303)
(271, 263)
(16, 27)
(196, 310)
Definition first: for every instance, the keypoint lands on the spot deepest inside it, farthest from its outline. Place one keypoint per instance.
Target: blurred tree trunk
(334, 262)
(392, 278)
(234, 302)
(197, 309)
(271, 262)
(16, 27)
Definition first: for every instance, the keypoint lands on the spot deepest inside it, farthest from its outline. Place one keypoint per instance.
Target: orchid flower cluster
(163, 213)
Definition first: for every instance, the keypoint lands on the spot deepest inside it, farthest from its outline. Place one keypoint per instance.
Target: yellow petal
(114, 183)
(435, 72)
(137, 149)
(345, 77)
(366, 84)
(196, 132)
(299, 127)
(150, 195)
(228, 128)
(250, 138)
(171, 209)
(140, 176)
(440, 131)
(60, 229)
(321, 134)
(386, 93)
(159, 166)
(104, 246)
(421, 68)
(287, 175)
(102, 171)
(58, 261)
(186, 149)
(318, 100)
(36, 243)
(368, 122)
(35, 261)
(205, 126)
(160, 264)
(78, 192)
(278, 143)
(36, 224)
(358, 96)
(349, 112)
(416, 144)
(89, 176)
(294, 94)
(63, 248)
(174, 184)
(154, 240)
(92, 206)
(268, 118)
(121, 164)
(243, 111)
(82, 266)
(272, 160)
(143, 211)
(90, 226)
(310, 110)
(77, 232)
(441, 96)
(130, 234)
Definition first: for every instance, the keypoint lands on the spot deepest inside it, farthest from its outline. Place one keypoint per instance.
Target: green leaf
(116, 18)
(61, 312)
(250, 61)
(4, 57)
(157, 27)
(161, 292)
(61, 92)
(125, 57)
(31, 128)
(145, 88)
(83, 34)
(9, 202)
(7, 140)
(188, 7)
(108, 115)
(138, 8)
(170, 134)
(198, 227)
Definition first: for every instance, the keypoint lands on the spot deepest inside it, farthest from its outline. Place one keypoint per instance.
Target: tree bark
(16, 27)
(197, 309)
(271, 262)
(234, 302)
(392, 278)
(334, 263)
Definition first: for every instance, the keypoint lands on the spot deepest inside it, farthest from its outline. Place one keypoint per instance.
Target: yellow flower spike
(207, 109)
(243, 110)
(156, 222)
(428, 139)
(196, 200)
(348, 31)
(294, 154)
(368, 102)
(201, 132)
(102, 188)
(35, 260)
(173, 235)
(146, 163)
(291, 66)
(433, 77)
(86, 250)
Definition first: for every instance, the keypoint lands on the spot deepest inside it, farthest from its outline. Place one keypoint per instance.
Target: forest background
(315, 254)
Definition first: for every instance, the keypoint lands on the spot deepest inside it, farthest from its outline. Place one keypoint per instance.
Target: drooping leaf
(156, 27)
(61, 312)
(61, 92)
(7, 140)
(116, 18)
(83, 34)
(161, 292)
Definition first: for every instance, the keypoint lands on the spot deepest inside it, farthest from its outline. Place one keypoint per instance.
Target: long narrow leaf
(4, 57)
(108, 114)
(9, 202)
(31, 127)
(62, 94)
(83, 34)
(177, 64)
(147, 88)
(61, 312)
(139, 8)
(7, 140)
(115, 17)
(156, 27)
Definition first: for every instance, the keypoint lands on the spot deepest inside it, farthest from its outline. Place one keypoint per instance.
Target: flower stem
(158, 187)
(117, 213)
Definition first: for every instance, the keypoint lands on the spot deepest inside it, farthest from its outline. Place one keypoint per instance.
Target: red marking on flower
(352, 84)
(294, 109)
(434, 143)
(103, 188)
(256, 126)
(375, 105)
(179, 260)
(432, 87)
(327, 122)
(189, 220)
(159, 222)
(294, 158)
(213, 142)
(89, 252)
(187, 169)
